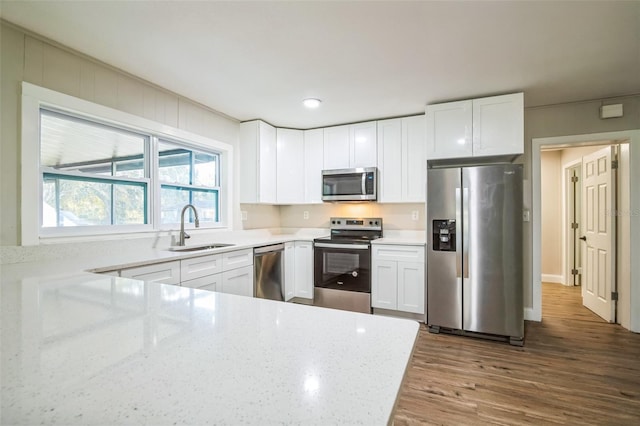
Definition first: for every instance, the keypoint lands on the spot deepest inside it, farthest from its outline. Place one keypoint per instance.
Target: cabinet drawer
(166, 273)
(237, 259)
(238, 281)
(209, 282)
(398, 253)
(200, 267)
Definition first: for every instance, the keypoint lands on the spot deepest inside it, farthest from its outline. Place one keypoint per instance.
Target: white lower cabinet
(238, 281)
(208, 282)
(289, 271)
(298, 270)
(397, 281)
(165, 273)
(303, 271)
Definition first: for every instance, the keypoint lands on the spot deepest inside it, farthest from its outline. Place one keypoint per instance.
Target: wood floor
(574, 368)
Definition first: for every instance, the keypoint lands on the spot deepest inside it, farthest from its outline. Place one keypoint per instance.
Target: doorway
(578, 230)
(628, 245)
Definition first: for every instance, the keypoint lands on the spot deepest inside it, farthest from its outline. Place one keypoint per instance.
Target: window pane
(68, 143)
(206, 169)
(69, 201)
(129, 205)
(175, 164)
(173, 200)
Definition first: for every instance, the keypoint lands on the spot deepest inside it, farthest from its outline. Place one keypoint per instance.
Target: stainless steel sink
(199, 248)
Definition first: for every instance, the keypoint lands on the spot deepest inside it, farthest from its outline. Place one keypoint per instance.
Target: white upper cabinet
(313, 165)
(402, 160)
(258, 160)
(390, 161)
(449, 130)
(336, 147)
(498, 125)
(350, 146)
(362, 143)
(481, 127)
(291, 166)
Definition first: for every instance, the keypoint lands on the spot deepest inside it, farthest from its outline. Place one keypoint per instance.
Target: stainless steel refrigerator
(474, 255)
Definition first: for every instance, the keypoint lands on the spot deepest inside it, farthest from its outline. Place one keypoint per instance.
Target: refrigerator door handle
(465, 233)
(458, 235)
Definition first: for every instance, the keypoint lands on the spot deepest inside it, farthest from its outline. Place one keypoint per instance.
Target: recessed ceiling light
(311, 103)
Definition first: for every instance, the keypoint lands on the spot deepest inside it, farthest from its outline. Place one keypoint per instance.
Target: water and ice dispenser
(444, 235)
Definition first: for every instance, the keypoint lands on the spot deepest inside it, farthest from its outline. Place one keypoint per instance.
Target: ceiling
(365, 60)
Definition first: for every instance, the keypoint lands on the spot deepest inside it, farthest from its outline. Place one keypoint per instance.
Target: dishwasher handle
(268, 249)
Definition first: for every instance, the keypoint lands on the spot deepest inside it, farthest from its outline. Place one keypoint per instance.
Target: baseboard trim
(529, 315)
(548, 278)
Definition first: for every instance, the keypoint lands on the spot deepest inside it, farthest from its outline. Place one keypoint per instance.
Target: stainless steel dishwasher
(268, 268)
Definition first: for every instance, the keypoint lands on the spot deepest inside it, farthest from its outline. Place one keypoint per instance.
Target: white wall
(551, 209)
(28, 58)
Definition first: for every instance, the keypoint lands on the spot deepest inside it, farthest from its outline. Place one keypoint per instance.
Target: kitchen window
(187, 176)
(89, 170)
(92, 174)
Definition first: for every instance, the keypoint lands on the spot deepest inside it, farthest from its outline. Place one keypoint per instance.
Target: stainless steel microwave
(349, 184)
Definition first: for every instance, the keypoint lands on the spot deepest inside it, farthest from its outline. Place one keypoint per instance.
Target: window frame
(35, 98)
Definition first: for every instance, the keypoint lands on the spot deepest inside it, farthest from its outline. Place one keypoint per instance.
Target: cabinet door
(498, 125)
(390, 161)
(290, 165)
(304, 269)
(197, 267)
(249, 166)
(267, 181)
(411, 287)
(363, 144)
(384, 284)
(165, 273)
(313, 165)
(237, 259)
(289, 270)
(208, 282)
(336, 147)
(414, 159)
(449, 128)
(238, 281)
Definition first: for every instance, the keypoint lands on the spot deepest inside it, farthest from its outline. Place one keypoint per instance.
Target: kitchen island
(91, 349)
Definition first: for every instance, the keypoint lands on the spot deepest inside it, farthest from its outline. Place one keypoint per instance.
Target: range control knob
(333, 222)
(370, 222)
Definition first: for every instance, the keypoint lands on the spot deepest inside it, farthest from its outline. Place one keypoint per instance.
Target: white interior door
(598, 206)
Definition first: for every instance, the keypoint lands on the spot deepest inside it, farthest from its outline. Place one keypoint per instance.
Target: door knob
(583, 238)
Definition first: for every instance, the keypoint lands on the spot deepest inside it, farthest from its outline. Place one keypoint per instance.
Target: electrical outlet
(414, 215)
(244, 214)
(305, 215)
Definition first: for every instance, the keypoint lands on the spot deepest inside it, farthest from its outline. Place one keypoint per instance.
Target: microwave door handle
(364, 184)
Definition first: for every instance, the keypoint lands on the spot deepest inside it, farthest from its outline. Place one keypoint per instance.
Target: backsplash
(395, 216)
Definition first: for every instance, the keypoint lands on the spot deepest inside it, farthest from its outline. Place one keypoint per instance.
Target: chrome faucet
(183, 235)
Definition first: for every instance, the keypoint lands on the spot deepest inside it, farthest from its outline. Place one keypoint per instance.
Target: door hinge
(614, 164)
(574, 272)
(574, 225)
(574, 179)
(614, 296)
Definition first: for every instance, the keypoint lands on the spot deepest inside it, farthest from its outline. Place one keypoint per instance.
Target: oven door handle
(343, 246)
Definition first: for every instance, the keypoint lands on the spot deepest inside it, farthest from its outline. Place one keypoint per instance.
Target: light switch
(526, 215)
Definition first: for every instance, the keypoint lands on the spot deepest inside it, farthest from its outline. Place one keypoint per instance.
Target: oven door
(342, 266)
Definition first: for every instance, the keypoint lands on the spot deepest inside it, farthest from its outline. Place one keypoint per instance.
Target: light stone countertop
(82, 348)
(409, 238)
